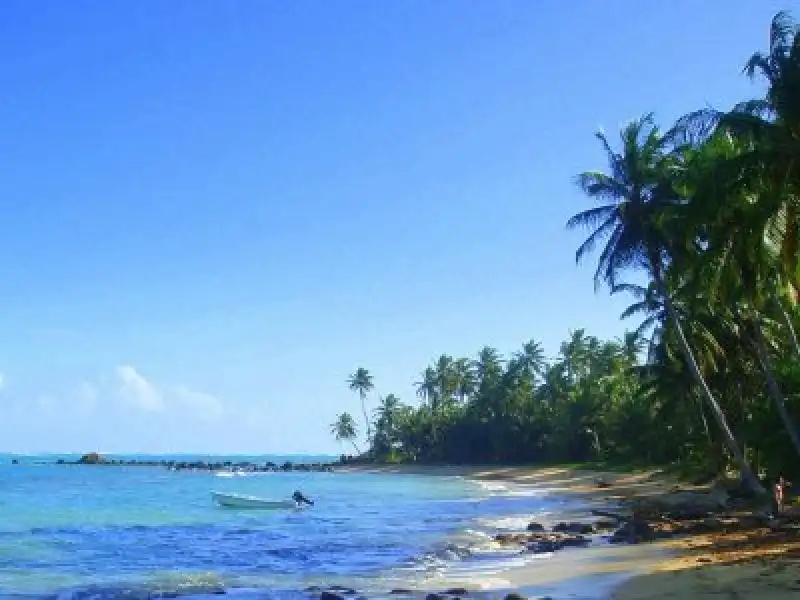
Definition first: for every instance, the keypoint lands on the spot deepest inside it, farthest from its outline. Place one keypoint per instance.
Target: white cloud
(2, 381)
(197, 403)
(148, 396)
(136, 390)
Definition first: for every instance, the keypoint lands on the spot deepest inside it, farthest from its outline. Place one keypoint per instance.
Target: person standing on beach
(780, 491)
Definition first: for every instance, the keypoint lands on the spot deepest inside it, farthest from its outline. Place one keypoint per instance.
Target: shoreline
(734, 550)
(591, 571)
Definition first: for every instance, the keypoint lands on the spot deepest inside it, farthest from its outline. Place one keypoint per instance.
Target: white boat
(240, 501)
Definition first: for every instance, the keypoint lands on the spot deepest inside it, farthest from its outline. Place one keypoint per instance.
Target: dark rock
(633, 533)
(456, 592)
(401, 592)
(515, 596)
(342, 590)
(542, 546)
(435, 597)
(574, 541)
(328, 595)
(93, 458)
(605, 525)
(579, 528)
(535, 527)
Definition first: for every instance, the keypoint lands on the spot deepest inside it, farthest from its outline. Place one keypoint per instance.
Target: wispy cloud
(146, 395)
(197, 403)
(136, 390)
(2, 381)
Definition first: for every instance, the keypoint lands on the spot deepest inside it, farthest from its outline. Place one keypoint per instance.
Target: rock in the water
(535, 526)
(456, 592)
(515, 596)
(435, 597)
(401, 592)
(342, 590)
(542, 546)
(93, 458)
(574, 540)
(328, 595)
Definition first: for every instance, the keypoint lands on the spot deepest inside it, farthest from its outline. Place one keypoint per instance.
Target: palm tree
(740, 267)
(362, 383)
(463, 378)
(769, 131)
(488, 367)
(344, 429)
(636, 197)
(445, 377)
(531, 358)
(387, 409)
(427, 388)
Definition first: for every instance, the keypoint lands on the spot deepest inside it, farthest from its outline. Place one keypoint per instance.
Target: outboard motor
(301, 499)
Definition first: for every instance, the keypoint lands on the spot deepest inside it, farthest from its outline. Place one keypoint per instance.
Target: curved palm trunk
(748, 477)
(772, 385)
(366, 416)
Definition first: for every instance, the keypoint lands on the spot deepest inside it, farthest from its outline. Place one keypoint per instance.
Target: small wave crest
(495, 488)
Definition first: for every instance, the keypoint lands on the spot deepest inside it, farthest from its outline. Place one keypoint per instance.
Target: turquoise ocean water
(114, 532)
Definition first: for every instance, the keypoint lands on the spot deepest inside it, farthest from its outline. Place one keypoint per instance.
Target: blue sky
(214, 211)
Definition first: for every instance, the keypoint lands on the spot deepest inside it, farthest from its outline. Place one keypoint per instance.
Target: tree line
(705, 215)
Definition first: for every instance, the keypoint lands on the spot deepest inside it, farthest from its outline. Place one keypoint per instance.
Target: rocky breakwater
(343, 593)
(93, 458)
(537, 539)
(722, 508)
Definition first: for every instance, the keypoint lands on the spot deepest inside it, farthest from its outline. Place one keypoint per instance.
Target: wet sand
(756, 563)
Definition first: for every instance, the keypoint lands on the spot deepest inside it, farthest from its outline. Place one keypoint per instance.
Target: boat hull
(250, 502)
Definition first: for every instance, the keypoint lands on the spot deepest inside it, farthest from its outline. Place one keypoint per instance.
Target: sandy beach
(742, 560)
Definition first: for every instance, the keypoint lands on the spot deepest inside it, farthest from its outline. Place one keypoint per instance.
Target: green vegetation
(344, 430)
(700, 224)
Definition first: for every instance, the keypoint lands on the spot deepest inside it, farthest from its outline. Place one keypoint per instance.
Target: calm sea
(120, 532)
